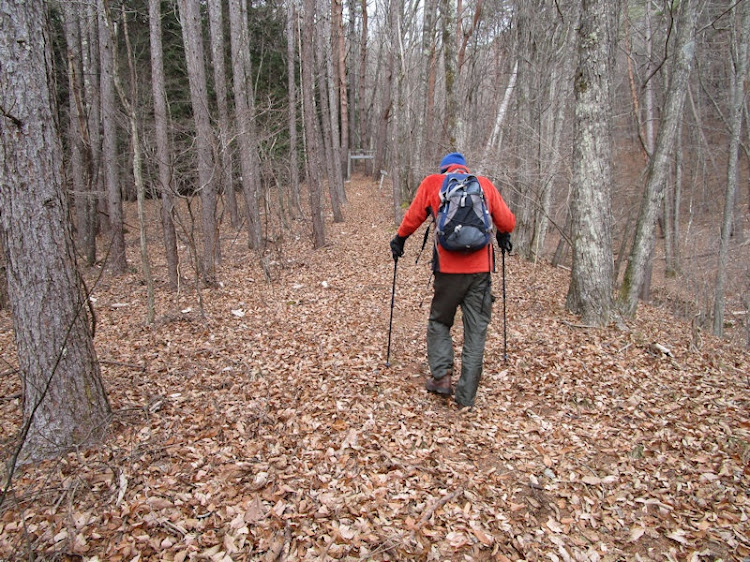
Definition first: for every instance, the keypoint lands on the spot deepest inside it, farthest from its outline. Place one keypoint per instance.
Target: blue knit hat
(451, 159)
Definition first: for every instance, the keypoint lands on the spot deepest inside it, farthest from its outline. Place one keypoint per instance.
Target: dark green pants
(473, 293)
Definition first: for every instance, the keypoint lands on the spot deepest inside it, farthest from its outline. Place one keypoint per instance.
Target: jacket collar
(456, 169)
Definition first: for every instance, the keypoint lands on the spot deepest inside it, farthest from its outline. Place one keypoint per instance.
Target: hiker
(462, 278)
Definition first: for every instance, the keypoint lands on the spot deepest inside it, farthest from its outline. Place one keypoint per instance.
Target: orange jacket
(426, 203)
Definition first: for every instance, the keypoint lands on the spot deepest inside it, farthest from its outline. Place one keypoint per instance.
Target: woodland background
(240, 313)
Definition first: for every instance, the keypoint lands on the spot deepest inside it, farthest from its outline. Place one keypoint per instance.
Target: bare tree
(312, 134)
(328, 114)
(658, 166)
(244, 108)
(590, 290)
(450, 62)
(163, 152)
(738, 78)
(216, 19)
(117, 258)
(192, 36)
(130, 109)
(64, 399)
(291, 15)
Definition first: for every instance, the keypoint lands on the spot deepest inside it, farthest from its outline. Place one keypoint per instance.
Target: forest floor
(263, 423)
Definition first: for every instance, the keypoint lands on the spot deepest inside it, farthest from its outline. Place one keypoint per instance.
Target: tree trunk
(737, 96)
(339, 57)
(117, 259)
(76, 124)
(658, 167)
(590, 290)
(291, 16)
(129, 105)
(92, 95)
(311, 131)
(426, 149)
(329, 123)
(448, 13)
(220, 86)
(163, 152)
(244, 114)
(192, 36)
(363, 116)
(65, 404)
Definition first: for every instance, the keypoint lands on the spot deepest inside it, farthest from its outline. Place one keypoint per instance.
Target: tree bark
(737, 96)
(117, 258)
(216, 24)
(329, 122)
(65, 404)
(339, 56)
(590, 290)
(192, 36)
(244, 108)
(163, 152)
(658, 167)
(311, 132)
(450, 63)
(291, 17)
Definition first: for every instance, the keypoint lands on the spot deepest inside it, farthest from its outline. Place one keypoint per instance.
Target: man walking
(462, 278)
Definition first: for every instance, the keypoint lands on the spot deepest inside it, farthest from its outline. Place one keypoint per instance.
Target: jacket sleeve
(417, 212)
(502, 217)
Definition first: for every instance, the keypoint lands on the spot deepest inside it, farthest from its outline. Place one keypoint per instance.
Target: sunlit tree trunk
(117, 260)
(658, 167)
(738, 78)
(163, 152)
(64, 403)
(590, 291)
(192, 35)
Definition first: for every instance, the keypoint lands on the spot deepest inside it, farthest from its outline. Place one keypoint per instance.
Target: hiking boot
(439, 386)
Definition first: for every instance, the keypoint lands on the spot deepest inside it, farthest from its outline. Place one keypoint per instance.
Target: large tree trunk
(117, 259)
(220, 86)
(737, 81)
(658, 168)
(244, 108)
(163, 152)
(590, 291)
(311, 132)
(65, 404)
(192, 36)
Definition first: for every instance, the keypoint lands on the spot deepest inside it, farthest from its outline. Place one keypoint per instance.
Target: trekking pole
(390, 323)
(505, 318)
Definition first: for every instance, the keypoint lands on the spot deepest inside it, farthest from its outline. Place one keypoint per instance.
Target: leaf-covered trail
(270, 428)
